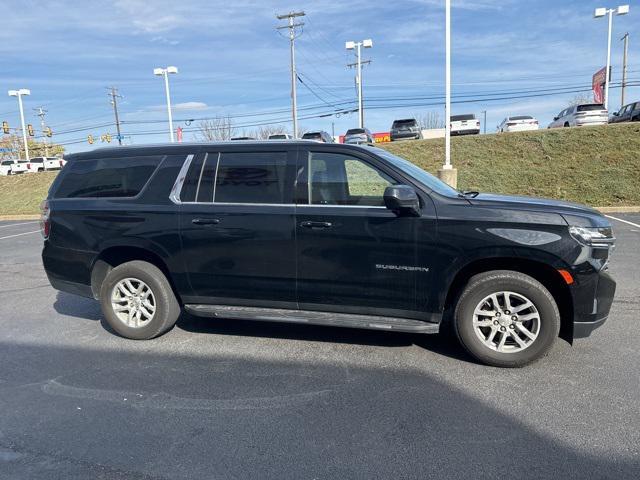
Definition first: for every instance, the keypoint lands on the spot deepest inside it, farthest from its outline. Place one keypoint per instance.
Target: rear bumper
(467, 131)
(68, 270)
(404, 135)
(592, 302)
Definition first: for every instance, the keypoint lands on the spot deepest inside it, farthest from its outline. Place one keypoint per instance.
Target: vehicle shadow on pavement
(444, 344)
(114, 413)
(441, 344)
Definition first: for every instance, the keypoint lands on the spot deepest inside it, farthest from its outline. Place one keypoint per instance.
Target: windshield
(590, 108)
(312, 135)
(404, 123)
(428, 180)
(7, 162)
(457, 118)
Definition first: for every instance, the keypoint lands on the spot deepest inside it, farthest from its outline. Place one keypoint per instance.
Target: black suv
(324, 234)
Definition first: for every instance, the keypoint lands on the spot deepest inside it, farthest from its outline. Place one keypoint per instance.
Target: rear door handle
(316, 225)
(205, 221)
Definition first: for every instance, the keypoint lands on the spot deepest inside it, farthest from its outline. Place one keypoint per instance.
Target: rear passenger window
(107, 177)
(259, 177)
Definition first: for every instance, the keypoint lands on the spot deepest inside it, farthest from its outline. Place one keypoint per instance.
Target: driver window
(337, 179)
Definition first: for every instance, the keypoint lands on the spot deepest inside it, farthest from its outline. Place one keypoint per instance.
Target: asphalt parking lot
(240, 399)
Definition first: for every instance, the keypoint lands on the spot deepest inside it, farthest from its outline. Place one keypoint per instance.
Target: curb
(618, 209)
(19, 217)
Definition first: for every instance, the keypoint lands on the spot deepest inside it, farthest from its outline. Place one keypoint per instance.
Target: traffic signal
(48, 132)
(30, 130)
(5, 127)
(90, 139)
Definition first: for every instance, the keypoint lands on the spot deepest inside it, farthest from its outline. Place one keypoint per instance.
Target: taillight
(45, 219)
(60, 162)
(28, 165)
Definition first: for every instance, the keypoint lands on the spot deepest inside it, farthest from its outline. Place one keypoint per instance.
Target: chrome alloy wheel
(133, 302)
(506, 322)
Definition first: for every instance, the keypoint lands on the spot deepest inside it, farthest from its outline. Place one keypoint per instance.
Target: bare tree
(579, 99)
(429, 120)
(215, 130)
(264, 131)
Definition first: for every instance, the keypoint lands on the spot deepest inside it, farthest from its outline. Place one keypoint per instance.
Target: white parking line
(19, 234)
(623, 221)
(16, 224)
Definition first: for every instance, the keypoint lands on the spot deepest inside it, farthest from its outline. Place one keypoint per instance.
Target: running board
(370, 322)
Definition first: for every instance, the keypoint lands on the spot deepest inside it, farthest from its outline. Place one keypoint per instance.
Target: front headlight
(601, 237)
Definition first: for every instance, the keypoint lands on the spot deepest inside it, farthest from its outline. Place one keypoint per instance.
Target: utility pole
(114, 101)
(625, 38)
(484, 123)
(291, 25)
(358, 64)
(41, 113)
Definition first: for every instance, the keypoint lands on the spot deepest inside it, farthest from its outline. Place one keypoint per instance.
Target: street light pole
(19, 94)
(447, 173)
(447, 80)
(601, 12)
(164, 72)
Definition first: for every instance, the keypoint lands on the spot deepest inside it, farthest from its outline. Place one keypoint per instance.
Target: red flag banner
(597, 84)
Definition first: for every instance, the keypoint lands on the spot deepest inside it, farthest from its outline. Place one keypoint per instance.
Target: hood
(573, 213)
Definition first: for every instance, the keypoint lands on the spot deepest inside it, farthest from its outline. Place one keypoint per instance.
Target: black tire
(566, 125)
(484, 284)
(167, 307)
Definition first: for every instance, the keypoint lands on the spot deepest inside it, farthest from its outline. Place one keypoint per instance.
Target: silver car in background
(581, 116)
(356, 136)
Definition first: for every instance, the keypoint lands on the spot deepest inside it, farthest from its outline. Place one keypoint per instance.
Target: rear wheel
(137, 300)
(506, 319)
(566, 125)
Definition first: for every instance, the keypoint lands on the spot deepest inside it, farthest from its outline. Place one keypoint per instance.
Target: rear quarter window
(106, 177)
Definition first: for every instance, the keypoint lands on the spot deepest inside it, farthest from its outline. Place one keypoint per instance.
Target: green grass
(599, 166)
(22, 194)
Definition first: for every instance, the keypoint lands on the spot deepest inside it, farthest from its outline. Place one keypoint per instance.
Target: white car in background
(518, 123)
(42, 164)
(581, 116)
(466, 124)
(13, 167)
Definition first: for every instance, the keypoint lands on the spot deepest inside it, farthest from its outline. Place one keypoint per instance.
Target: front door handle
(205, 221)
(316, 225)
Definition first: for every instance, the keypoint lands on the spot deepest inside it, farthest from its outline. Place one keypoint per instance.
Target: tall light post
(601, 12)
(19, 94)
(165, 73)
(357, 46)
(447, 173)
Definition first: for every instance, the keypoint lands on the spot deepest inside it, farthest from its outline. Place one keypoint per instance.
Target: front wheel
(137, 300)
(506, 319)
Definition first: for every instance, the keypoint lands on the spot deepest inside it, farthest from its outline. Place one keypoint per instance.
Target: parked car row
(34, 165)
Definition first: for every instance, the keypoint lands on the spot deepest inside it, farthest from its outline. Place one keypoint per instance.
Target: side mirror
(402, 200)
(615, 114)
(555, 118)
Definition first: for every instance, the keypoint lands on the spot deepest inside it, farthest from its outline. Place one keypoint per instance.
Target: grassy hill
(599, 166)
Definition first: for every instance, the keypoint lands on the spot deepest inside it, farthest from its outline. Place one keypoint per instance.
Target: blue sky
(232, 60)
